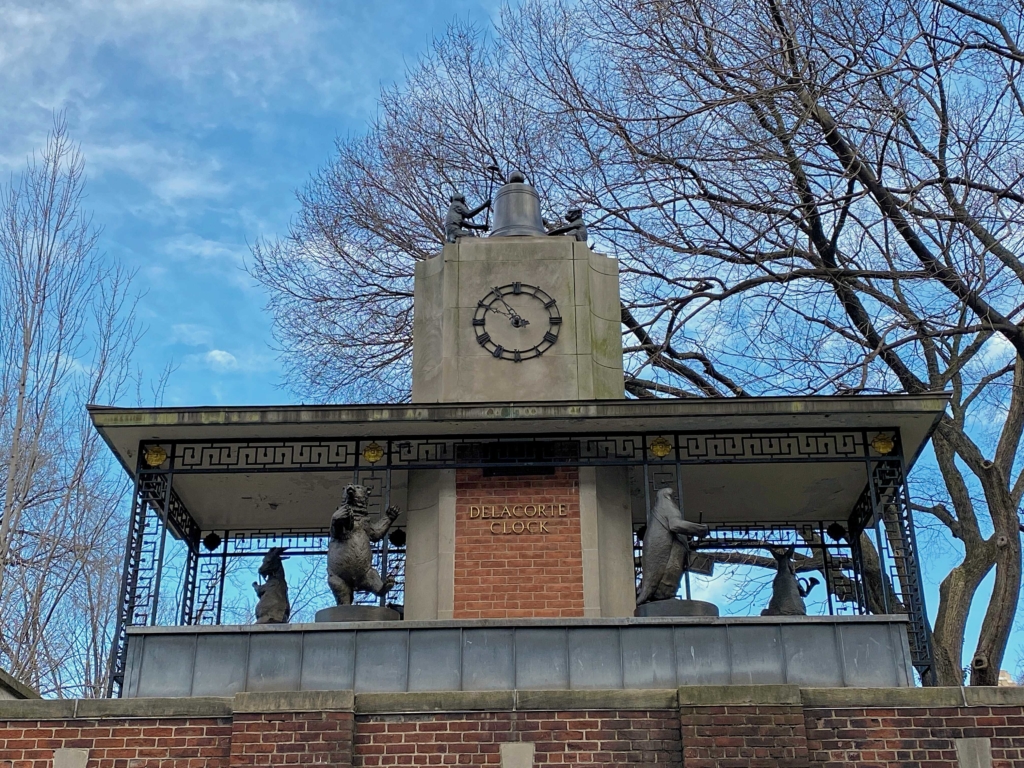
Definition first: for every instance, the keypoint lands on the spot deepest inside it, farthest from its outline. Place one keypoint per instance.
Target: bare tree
(806, 196)
(67, 330)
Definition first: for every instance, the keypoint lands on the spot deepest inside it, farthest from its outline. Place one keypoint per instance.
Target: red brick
(497, 575)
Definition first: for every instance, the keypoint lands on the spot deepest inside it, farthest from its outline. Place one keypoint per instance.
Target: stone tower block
(450, 365)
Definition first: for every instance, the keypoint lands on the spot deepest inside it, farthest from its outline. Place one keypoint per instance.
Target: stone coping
(114, 416)
(17, 688)
(504, 701)
(194, 629)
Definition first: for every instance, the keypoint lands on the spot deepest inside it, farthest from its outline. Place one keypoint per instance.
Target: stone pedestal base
(675, 607)
(355, 613)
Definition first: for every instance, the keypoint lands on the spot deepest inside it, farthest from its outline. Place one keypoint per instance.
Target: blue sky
(198, 120)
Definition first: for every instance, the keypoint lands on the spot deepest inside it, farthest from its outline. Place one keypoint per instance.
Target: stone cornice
(505, 701)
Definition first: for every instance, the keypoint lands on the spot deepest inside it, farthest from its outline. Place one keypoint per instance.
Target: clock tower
(517, 316)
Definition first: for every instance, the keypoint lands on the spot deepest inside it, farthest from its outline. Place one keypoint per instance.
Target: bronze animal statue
(788, 592)
(666, 543)
(349, 554)
(273, 606)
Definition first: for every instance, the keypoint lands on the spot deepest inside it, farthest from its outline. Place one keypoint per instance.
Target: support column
(127, 595)
(430, 545)
(518, 545)
(606, 533)
(892, 507)
(589, 541)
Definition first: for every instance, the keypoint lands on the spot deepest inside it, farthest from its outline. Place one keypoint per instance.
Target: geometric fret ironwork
(306, 455)
(213, 565)
(883, 513)
(139, 581)
(882, 510)
(893, 509)
(749, 544)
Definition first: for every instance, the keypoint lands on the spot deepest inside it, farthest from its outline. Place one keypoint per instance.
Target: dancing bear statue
(349, 554)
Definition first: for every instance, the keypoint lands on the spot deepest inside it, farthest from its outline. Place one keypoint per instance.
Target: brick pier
(518, 550)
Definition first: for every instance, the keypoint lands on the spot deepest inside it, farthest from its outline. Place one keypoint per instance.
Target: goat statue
(273, 606)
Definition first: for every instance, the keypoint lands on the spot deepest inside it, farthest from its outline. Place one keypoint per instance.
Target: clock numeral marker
(516, 356)
(550, 337)
(550, 304)
(483, 338)
(517, 288)
(478, 321)
(481, 303)
(555, 320)
(498, 350)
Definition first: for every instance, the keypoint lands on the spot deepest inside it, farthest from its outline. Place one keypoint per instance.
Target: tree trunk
(956, 593)
(877, 585)
(12, 508)
(1002, 607)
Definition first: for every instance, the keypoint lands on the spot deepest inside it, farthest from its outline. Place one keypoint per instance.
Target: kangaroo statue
(273, 606)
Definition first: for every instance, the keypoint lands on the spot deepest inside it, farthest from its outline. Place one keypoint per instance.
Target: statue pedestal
(674, 607)
(356, 613)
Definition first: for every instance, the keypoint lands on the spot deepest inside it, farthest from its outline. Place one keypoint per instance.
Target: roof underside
(727, 493)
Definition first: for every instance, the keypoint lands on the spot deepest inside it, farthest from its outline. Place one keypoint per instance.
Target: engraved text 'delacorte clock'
(516, 322)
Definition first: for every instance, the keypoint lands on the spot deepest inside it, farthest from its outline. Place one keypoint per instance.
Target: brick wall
(559, 738)
(292, 738)
(904, 736)
(694, 727)
(533, 565)
(119, 743)
(741, 736)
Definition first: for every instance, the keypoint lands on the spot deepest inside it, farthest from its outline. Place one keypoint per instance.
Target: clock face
(516, 322)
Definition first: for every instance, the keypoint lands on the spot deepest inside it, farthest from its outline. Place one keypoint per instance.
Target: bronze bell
(517, 209)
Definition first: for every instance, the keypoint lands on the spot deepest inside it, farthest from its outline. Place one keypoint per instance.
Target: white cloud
(56, 53)
(191, 335)
(220, 360)
(197, 119)
(195, 247)
(997, 351)
(144, 82)
(237, 362)
(224, 260)
(170, 173)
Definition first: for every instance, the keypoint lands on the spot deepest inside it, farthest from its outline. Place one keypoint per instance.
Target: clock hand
(497, 292)
(517, 321)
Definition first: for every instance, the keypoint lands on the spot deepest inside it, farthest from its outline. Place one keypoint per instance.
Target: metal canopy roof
(727, 492)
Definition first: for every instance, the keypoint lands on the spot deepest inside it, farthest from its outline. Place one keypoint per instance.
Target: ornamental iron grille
(819, 549)
(747, 550)
(328, 455)
(866, 564)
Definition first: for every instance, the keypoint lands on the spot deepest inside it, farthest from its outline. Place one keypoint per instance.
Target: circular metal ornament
(373, 453)
(154, 456)
(883, 443)
(494, 303)
(660, 447)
